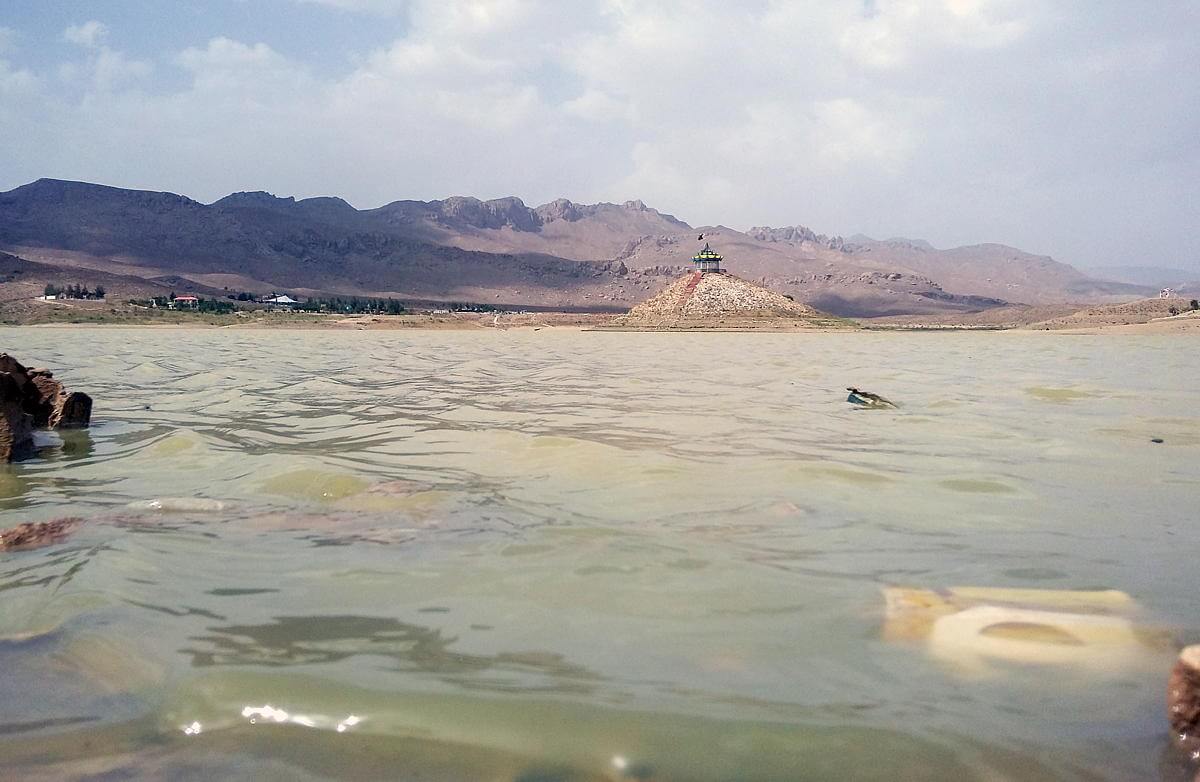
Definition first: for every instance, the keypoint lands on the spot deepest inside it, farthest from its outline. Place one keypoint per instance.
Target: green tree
(1194, 304)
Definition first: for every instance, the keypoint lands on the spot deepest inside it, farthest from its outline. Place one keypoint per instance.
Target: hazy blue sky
(1070, 128)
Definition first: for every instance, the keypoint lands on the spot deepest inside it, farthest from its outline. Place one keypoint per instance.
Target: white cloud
(111, 69)
(900, 30)
(16, 80)
(101, 68)
(89, 34)
(935, 117)
(382, 7)
(599, 106)
(236, 68)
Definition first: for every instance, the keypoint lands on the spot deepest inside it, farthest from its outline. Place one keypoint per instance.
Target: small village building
(707, 260)
(185, 302)
(280, 301)
(1166, 293)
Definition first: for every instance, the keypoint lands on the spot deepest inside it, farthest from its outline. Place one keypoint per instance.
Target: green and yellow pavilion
(707, 260)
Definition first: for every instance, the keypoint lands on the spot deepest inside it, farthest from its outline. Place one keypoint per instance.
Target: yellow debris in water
(1107, 599)
(971, 626)
(1031, 631)
(912, 612)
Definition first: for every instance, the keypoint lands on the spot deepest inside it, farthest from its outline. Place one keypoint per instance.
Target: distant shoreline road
(1180, 325)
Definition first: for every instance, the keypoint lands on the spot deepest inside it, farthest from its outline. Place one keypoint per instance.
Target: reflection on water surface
(556, 555)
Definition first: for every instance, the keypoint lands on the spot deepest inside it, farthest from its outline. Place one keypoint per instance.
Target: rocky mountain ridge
(559, 254)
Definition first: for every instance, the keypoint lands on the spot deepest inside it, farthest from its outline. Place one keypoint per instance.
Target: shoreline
(1184, 323)
(1154, 328)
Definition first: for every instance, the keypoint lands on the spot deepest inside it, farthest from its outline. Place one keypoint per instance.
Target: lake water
(557, 555)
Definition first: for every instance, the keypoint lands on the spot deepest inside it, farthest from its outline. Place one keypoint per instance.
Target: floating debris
(869, 400)
(972, 626)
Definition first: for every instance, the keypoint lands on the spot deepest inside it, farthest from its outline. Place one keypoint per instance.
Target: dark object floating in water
(867, 399)
(1157, 440)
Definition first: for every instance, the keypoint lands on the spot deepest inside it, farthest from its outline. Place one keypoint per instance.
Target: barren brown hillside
(1141, 311)
(561, 254)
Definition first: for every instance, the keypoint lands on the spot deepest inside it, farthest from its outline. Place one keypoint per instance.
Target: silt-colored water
(557, 555)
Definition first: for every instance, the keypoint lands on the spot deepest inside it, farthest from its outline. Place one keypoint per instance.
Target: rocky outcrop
(796, 234)
(72, 410)
(16, 425)
(32, 398)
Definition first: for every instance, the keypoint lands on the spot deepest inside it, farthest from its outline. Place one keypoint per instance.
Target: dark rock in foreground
(1183, 700)
(16, 426)
(32, 398)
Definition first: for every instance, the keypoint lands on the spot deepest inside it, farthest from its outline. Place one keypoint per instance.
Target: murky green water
(553, 555)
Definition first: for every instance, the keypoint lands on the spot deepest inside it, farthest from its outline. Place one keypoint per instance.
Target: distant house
(280, 301)
(1166, 293)
(185, 302)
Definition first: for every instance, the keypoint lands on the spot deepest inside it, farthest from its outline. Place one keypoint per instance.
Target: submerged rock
(178, 505)
(37, 533)
(315, 485)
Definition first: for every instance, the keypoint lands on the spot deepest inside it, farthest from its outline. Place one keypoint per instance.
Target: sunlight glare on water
(559, 555)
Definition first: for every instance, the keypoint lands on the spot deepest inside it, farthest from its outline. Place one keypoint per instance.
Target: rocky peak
(62, 192)
(327, 202)
(901, 243)
(796, 234)
(497, 213)
(559, 209)
(791, 233)
(253, 198)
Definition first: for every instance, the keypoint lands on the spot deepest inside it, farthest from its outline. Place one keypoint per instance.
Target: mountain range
(560, 255)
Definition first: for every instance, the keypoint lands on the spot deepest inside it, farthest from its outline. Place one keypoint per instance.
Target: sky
(1069, 128)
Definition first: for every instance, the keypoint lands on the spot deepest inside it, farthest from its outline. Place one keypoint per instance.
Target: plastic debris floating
(867, 399)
